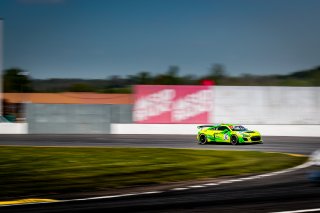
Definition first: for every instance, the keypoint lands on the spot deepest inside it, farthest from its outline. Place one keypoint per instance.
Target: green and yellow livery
(227, 133)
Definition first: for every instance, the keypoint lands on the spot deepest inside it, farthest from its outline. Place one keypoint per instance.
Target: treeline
(16, 80)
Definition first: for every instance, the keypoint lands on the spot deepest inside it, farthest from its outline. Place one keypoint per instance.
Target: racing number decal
(219, 137)
(225, 137)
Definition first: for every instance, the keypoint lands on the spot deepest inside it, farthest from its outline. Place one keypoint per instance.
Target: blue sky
(100, 38)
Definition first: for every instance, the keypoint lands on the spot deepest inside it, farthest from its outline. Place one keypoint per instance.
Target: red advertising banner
(172, 104)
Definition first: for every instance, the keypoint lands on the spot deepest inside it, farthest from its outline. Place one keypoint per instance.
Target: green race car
(227, 133)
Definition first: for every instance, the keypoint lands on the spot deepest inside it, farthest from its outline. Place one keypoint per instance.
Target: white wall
(266, 105)
(191, 129)
(13, 128)
(183, 129)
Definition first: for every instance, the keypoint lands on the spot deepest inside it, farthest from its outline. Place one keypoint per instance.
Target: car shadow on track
(239, 144)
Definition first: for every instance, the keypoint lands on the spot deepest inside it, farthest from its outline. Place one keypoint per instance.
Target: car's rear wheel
(202, 139)
(234, 140)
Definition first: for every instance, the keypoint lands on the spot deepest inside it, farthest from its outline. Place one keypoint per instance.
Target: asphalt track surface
(284, 192)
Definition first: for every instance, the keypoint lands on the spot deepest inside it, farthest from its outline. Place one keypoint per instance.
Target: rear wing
(204, 126)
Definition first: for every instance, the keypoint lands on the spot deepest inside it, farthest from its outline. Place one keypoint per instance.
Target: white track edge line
(300, 211)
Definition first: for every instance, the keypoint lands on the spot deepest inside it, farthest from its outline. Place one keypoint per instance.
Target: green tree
(16, 80)
(143, 77)
(217, 73)
(169, 78)
(81, 87)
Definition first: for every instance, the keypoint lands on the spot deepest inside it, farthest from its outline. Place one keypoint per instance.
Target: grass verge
(49, 170)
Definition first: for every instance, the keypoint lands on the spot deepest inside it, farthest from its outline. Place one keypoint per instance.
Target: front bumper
(251, 139)
(251, 142)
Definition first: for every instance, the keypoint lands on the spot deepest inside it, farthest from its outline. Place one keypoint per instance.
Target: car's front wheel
(202, 139)
(234, 140)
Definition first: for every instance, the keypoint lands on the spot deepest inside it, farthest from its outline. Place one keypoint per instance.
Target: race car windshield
(239, 128)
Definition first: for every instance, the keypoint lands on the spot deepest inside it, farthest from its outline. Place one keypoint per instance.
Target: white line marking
(291, 170)
(281, 172)
(235, 180)
(305, 165)
(179, 189)
(247, 178)
(298, 211)
(211, 184)
(115, 196)
(196, 186)
(265, 175)
(230, 181)
(223, 182)
(273, 173)
(152, 192)
(101, 197)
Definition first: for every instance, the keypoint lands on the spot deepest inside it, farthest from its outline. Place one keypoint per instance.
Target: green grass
(46, 170)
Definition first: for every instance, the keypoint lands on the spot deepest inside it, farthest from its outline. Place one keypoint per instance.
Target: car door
(222, 134)
(210, 133)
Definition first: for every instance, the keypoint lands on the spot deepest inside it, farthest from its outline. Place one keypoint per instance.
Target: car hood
(249, 131)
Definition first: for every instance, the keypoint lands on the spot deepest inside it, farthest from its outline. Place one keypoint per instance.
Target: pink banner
(172, 104)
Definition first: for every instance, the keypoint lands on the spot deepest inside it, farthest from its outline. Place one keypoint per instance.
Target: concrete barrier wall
(271, 110)
(13, 128)
(121, 113)
(75, 118)
(266, 105)
(182, 129)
